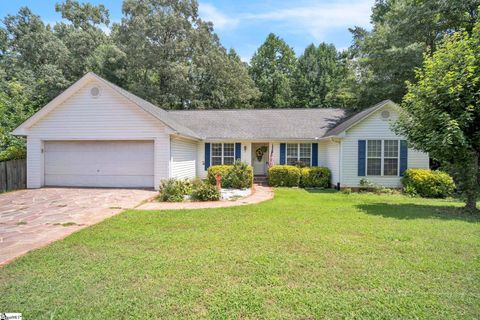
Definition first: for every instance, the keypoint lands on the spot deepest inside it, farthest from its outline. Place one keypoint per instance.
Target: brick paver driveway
(31, 219)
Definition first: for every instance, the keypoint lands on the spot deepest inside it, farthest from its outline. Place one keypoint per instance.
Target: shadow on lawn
(416, 211)
(312, 190)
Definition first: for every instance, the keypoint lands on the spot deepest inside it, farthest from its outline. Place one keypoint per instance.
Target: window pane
(374, 149)
(292, 153)
(216, 150)
(228, 160)
(228, 150)
(390, 148)
(305, 150)
(390, 167)
(292, 150)
(374, 167)
(305, 153)
(216, 161)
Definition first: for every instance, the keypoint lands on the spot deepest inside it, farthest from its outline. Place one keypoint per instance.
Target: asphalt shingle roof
(259, 124)
(253, 124)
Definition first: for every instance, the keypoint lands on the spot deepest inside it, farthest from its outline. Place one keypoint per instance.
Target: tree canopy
(442, 109)
(272, 68)
(403, 30)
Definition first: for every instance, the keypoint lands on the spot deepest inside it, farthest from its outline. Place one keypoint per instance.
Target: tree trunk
(471, 182)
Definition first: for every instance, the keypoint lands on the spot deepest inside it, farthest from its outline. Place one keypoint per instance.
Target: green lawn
(302, 255)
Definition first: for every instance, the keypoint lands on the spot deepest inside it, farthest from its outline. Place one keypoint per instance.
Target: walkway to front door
(260, 153)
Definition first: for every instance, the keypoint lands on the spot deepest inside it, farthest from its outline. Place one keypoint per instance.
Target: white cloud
(319, 19)
(314, 18)
(220, 21)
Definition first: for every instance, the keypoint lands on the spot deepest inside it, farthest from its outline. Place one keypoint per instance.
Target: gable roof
(231, 124)
(260, 124)
(351, 121)
(148, 107)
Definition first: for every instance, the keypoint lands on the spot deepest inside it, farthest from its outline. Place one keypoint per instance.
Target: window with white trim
(390, 157)
(299, 152)
(382, 157)
(223, 153)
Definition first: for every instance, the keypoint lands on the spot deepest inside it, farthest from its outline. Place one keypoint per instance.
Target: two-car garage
(99, 163)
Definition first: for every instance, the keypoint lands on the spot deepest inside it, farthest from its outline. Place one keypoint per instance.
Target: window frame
(382, 158)
(223, 156)
(298, 155)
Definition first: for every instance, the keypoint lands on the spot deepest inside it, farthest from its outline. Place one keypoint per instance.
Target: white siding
(373, 128)
(329, 156)
(245, 156)
(184, 158)
(35, 175)
(110, 116)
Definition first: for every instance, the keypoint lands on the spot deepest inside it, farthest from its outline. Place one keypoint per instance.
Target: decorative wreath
(260, 152)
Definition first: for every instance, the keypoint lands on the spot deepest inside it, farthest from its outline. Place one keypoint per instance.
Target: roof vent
(385, 114)
(94, 92)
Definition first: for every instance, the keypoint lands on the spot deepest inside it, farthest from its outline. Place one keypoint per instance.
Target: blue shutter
(207, 155)
(283, 147)
(238, 151)
(361, 157)
(314, 154)
(403, 157)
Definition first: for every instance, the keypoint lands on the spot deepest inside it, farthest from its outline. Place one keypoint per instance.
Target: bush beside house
(284, 176)
(427, 183)
(176, 190)
(205, 192)
(293, 176)
(315, 177)
(236, 176)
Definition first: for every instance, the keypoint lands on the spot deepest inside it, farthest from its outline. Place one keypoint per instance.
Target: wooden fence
(13, 175)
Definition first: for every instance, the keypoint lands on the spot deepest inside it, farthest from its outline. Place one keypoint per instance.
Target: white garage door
(99, 163)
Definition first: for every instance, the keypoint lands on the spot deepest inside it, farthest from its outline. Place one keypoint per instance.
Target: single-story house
(96, 134)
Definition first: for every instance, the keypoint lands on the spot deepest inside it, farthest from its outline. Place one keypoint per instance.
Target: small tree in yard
(441, 111)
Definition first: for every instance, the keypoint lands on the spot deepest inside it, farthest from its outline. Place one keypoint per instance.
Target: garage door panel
(99, 163)
(100, 181)
(64, 164)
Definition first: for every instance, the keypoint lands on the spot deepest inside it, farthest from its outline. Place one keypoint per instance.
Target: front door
(259, 158)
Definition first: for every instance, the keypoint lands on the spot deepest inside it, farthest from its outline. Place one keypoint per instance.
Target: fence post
(3, 177)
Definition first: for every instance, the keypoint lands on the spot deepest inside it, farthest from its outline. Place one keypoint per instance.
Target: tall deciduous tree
(82, 35)
(442, 109)
(402, 31)
(32, 55)
(320, 78)
(272, 68)
(174, 59)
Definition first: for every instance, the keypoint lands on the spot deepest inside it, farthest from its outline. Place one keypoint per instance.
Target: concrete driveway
(30, 219)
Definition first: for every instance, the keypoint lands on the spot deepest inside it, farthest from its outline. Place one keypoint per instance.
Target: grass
(305, 255)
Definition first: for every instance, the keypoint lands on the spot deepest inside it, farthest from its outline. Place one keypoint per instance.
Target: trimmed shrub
(205, 192)
(219, 169)
(237, 176)
(315, 177)
(240, 176)
(174, 190)
(427, 183)
(284, 176)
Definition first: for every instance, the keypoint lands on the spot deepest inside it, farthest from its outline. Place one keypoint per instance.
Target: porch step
(260, 180)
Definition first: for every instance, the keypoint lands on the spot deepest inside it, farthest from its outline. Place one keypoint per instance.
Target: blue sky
(244, 24)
